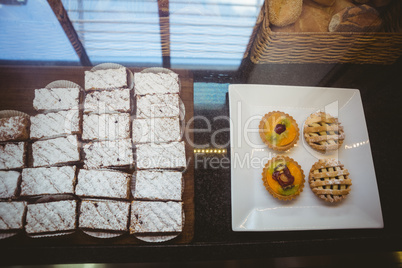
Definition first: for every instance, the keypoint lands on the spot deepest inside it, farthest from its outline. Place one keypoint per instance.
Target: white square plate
(253, 208)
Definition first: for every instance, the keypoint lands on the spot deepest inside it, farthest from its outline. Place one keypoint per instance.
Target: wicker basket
(339, 47)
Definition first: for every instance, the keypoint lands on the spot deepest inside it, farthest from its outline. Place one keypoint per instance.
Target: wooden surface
(17, 93)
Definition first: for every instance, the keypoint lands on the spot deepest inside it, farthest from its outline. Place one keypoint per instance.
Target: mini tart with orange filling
(279, 131)
(283, 178)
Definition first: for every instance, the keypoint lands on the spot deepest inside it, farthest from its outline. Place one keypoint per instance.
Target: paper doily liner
(51, 235)
(108, 65)
(103, 234)
(7, 235)
(63, 84)
(11, 113)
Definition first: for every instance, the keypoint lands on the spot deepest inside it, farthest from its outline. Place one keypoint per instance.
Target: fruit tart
(283, 178)
(323, 132)
(279, 131)
(329, 180)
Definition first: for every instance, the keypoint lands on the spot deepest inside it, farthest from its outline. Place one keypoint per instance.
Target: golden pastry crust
(329, 180)
(271, 190)
(323, 132)
(262, 131)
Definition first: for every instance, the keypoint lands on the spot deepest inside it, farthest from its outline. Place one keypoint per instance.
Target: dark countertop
(380, 88)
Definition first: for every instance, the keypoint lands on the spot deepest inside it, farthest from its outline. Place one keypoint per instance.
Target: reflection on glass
(32, 32)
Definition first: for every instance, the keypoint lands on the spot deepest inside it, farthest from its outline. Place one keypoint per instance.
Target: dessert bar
(104, 215)
(108, 154)
(158, 185)
(156, 130)
(56, 99)
(161, 105)
(9, 181)
(156, 83)
(51, 217)
(159, 156)
(57, 124)
(156, 217)
(14, 128)
(106, 79)
(55, 151)
(12, 215)
(103, 183)
(12, 155)
(106, 126)
(117, 100)
(48, 180)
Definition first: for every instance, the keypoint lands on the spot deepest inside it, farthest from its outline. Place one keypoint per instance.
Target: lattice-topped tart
(283, 178)
(279, 131)
(323, 132)
(329, 180)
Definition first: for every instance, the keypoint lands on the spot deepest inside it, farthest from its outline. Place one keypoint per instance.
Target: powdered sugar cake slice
(55, 151)
(156, 83)
(14, 128)
(117, 100)
(158, 185)
(108, 154)
(9, 181)
(106, 79)
(160, 105)
(156, 217)
(12, 215)
(106, 126)
(156, 130)
(56, 99)
(51, 217)
(104, 215)
(12, 155)
(160, 156)
(50, 125)
(51, 180)
(103, 183)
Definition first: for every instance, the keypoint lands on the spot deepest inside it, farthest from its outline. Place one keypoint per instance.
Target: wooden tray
(17, 93)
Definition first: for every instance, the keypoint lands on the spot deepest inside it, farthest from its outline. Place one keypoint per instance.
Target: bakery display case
(198, 130)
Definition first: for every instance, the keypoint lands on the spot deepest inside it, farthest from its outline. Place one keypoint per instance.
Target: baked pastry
(103, 183)
(279, 131)
(314, 18)
(12, 155)
(12, 215)
(9, 181)
(283, 178)
(107, 101)
(284, 12)
(361, 18)
(156, 217)
(53, 217)
(106, 79)
(156, 130)
(104, 215)
(158, 185)
(46, 181)
(160, 105)
(57, 124)
(323, 132)
(160, 156)
(14, 128)
(106, 126)
(108, 154)
(329, 180)
(156, 83)
(56, 99)
(55, 151)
